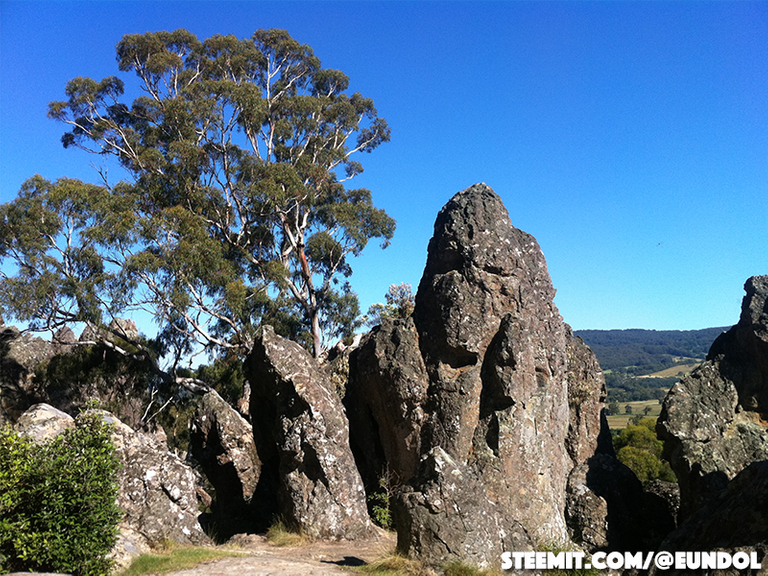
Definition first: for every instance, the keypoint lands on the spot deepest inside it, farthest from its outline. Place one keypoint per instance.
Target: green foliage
(226, 376)
(638, 448)
(612, 408)
(379, 505)
(400, 302)
(624, 387)
(57, 500)
(625, 355)
(237, 212)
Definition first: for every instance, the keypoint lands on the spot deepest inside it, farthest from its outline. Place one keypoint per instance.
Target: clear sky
(631, 139)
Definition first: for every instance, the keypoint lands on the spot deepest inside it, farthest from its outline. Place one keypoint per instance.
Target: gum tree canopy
(236, 211)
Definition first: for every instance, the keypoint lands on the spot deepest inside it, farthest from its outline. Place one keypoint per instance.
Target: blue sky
(631, 139)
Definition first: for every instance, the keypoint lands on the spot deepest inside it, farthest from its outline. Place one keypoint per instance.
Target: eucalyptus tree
(236, 210)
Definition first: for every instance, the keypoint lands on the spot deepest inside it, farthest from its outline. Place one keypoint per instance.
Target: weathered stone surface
(492, 381)
(43, 422)
(446, 515)
(477, 383)
(157, 492)
(713, 420)
(385, 397)
(494, 346)
(608, 508)
(125, 327)
(519, 443)
(129, 546)
(221, 442)
(588, 431)
(735, 521)
(480, 269)
(302, 438)
(20, 355)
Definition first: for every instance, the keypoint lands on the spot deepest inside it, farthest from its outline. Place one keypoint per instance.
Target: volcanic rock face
(495, 350)
(736, 521)
(20, 355)
(43, 422)
(302, 438)
(486, 388)
(385, 399)
(447, 514)
(713, 421)
(221, 441)
(158, 491)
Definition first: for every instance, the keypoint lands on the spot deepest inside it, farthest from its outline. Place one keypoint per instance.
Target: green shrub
(378, 502)
(57, 500)
(638, 448)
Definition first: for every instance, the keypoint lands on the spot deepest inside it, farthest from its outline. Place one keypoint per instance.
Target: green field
(678, 370)
(620, 421)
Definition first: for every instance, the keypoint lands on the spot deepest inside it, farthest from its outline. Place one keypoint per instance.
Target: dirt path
(317, 559)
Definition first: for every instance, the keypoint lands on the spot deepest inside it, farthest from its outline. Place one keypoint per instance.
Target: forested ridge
(626, 356)
(647, 351)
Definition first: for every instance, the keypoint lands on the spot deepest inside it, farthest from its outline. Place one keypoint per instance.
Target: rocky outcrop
(588, 431)
(302, 439)
(486, 388)
(157, 491)
(713, 421)
(609, 509)
(735, 521)
(43, 422)
(447, 515)
(385, 402)
(221, 442)
(606, 505)
(20, 355)
(494, 346)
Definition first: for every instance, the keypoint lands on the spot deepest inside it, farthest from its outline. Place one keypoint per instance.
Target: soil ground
(316, 559)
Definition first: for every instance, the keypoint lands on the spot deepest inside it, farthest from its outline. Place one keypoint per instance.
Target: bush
(638, 448)
(57, 501)
(378, 502)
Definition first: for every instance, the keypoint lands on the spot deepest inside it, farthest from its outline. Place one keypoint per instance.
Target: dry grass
(279, 535)
(465, 569)
(394, 564)
(171, 558)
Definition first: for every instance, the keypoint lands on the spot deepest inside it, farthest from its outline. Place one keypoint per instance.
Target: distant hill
(627, 355)
(647, 351)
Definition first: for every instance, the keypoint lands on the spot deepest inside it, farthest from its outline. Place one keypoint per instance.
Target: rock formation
(43, 422)
(20, 355)
(302, 439)
(385, 402)
(157, 491)
(446, 514)
(713, 420)
(736, 521)
(485, 389)
(221, 442)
